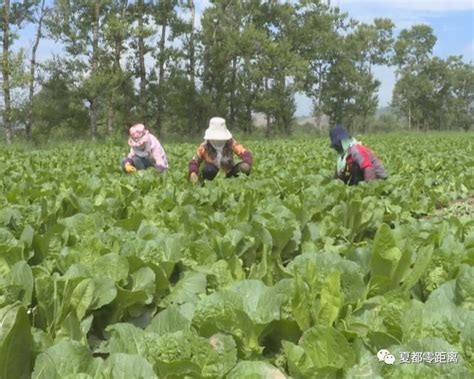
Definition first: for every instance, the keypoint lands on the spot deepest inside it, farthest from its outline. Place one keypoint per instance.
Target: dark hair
(337, 134)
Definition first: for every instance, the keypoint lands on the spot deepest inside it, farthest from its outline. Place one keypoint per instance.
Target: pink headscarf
(138, 135)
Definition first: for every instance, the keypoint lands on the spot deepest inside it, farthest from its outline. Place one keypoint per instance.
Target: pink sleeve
(131, 154)
(161, 163)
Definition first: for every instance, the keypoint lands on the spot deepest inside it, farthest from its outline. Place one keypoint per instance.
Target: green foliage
(154, 62)
(58, 110)
(284, 272)
(15, 342)
(255, 369)
(428, 93)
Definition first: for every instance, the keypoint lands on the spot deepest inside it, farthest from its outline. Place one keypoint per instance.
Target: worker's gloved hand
(128, 167)
(193, 178)
(245, 168)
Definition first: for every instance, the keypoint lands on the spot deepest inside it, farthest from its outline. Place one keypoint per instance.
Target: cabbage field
(282, 274)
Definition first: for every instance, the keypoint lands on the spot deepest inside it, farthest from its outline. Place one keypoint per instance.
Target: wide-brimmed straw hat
(138, 135)
(217, 130)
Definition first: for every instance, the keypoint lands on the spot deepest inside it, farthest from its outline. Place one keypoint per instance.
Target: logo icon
(384, 356)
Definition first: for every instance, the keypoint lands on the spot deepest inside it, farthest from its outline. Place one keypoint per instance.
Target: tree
(78, 25)
(461, 103)
(286, 65)
(319, 39)
(166, 17)
(58, 107)
(340, 89)
(250, 79)
(414, 46)
(369, 45)
(14, 13)
(431, 92)
(181, 87)
(413, 49)
(141, 31)
(116, 31)
(39, 35)
(189, 47)
(249, 63)
(218, 52)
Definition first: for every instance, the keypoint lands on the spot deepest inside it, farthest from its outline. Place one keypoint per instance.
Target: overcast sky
(451, 20)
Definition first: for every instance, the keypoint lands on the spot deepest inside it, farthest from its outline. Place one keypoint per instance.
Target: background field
(283, 273)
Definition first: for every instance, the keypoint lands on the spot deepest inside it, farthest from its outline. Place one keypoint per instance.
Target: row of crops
(285, 273)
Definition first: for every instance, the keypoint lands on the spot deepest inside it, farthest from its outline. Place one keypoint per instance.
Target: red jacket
(362, 165)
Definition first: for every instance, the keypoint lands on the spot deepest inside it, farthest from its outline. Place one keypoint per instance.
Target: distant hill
(322, 124)
(383, 110)
(259, 121)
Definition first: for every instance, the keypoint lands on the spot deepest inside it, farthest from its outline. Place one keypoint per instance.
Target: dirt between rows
(457, 208)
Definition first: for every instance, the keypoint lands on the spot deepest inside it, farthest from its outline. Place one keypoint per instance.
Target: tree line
(156, 62)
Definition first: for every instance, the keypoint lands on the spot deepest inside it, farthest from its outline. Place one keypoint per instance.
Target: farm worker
(355, 162)
(145, 151)
(217, 152)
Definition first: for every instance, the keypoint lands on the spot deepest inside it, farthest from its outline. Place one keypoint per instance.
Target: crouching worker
(216, 152)
(355, 162)
(145, 151)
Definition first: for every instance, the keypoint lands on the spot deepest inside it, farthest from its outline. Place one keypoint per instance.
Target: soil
(459, 208)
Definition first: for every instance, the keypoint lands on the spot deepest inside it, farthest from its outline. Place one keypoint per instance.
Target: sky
(451, 20)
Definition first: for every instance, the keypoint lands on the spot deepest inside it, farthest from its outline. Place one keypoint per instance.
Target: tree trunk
(318, 102)
(29, 123)
(111, 117)
(248, 108)
(192, 71)
(232, 93)
(409, 117)
(364, 122)
(111, 113)
(192, 63)
(95, 65)
(286, 115)
(248, 122)
(127, 105)
(141, 59)
(248, 102)
(161, 75)
(7, 114)
(94, 108)
(268, 126)
(267, 114)
(117, 74)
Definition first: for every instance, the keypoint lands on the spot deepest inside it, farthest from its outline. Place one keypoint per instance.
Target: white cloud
(413, 5)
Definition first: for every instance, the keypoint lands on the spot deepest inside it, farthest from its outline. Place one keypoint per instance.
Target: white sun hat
(217, 130)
